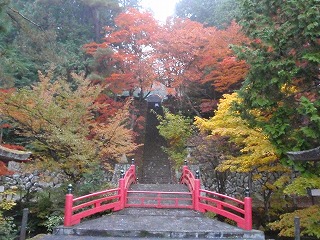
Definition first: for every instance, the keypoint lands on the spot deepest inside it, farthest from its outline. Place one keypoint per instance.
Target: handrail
(232, 208)
(159, 200)
(204, 200)
(74, 213)
(130, 177)
(114, 201)
(187, 178)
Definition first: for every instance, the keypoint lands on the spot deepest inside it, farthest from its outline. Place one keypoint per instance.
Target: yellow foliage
(6, 202)
(257, 152)
(288, 89)
(300, 184)
(58, 118)
(309, 222)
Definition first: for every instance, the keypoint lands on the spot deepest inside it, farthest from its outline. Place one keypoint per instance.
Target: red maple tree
(132, 53)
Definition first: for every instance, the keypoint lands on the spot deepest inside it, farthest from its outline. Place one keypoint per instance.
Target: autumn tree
(57, 118)
(130, 57)
(257, 156)
(194, 57)
(309, 222)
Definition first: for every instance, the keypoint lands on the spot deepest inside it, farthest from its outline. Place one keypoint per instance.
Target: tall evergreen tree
(46, 33)
(283, 82)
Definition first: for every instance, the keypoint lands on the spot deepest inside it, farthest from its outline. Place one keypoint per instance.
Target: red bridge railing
(153, 199)
(197, 199)
(204, 200)
(112, 199)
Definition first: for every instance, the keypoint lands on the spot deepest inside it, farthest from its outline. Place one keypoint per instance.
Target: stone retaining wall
(27, 182)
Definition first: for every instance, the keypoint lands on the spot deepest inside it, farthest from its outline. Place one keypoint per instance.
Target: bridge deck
(158, 223)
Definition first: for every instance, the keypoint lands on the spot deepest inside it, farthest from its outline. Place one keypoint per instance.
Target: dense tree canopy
(45, 33)
(181, 54)
(283, 81)
(193, 57)
(218, 13)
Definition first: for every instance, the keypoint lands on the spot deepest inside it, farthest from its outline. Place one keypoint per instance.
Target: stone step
(55, 237)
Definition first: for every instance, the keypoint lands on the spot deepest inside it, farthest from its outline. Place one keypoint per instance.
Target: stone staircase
(156, 167)
(153, 223)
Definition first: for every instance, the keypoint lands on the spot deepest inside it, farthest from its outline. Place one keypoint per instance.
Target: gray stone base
(158, 223)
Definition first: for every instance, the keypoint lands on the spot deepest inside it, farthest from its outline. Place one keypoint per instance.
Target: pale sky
(160, 8)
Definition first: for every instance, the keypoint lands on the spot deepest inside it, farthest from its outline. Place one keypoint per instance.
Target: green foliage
(3, 5)
(310, 110)
(52, 222)
(283, 81)
(218, 13)
(309, 222)
(92, 182)
(299, 185)
(7, 226)
(283, 87)
(176, 129)
(45, 33)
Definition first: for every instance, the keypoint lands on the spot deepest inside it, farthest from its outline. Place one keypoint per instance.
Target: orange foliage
(106, 108)
(132, 59)
(3, 169)
(191, 52)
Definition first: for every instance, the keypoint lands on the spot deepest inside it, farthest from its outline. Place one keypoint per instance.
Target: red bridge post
(248, 210)
(121, 193)
(196, 193)
(68, 207)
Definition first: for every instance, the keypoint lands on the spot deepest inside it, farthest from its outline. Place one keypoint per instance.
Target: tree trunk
(96, 23)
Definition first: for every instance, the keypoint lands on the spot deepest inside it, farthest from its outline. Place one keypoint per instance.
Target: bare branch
(24, 17)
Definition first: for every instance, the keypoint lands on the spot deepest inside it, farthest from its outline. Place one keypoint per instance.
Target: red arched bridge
(123, 197)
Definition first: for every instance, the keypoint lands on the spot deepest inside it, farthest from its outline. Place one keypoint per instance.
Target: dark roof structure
(7, 154)
(307, 155)
(154, 98)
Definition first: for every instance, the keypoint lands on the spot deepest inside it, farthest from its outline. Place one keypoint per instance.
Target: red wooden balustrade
(112, 199)
(153, 199)
(197, 199)
(204, 200)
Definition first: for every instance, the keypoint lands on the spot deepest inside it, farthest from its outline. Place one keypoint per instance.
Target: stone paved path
(156, 168)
